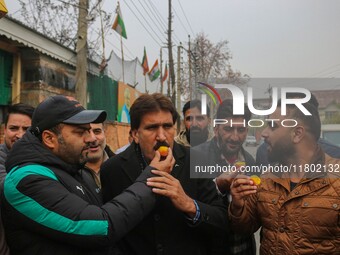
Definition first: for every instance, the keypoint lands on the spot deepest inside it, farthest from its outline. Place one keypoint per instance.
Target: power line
(180, 5)
(180, 21)
(143, 16)
(157, 12)
(142, 24)
(108, 31)
(326, 70)
(162, 30)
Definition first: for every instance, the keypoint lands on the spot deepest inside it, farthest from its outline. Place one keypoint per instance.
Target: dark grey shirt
(3, 155)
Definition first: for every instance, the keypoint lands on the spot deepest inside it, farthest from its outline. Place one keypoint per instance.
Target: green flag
(118, 25)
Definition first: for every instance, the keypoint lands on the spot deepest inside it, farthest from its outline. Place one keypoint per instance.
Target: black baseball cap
(63, 109)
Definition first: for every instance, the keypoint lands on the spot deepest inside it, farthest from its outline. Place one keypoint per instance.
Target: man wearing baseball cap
(46, 206)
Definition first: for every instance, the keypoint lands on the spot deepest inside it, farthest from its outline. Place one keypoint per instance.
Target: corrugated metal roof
(18, 32)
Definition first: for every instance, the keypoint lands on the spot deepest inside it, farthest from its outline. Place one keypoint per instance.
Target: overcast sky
(267, 38)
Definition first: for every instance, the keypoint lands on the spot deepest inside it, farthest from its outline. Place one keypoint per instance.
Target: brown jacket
(305, 220)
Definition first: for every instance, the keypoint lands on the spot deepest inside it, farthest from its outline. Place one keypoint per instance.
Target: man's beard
(228, 152)
(67, 154)
(196, 136)
(280, 153)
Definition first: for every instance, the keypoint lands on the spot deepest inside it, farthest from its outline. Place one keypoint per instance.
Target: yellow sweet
(255, 179)
(163, 150)
(238, 164)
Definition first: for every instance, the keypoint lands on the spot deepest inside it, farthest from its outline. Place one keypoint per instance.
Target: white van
(331, 133)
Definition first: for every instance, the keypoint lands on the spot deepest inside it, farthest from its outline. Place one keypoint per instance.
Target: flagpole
(102, 30)
(121, 46)
(121, 41)
(146, 90)
(161, 70)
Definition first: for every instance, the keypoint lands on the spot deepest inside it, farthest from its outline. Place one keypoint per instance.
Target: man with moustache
(225, 149)
(188, 213)
(298, 209)
(97, 154)
(45, 207)
(329, 148)
(196, 125)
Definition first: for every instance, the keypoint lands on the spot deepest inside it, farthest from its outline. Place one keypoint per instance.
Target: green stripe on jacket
(33, 210)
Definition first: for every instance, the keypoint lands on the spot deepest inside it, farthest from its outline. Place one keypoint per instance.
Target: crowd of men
(63, 191)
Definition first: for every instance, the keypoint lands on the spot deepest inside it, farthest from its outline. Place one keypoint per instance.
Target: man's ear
(298, 134)
(135, 136)
(50, 139)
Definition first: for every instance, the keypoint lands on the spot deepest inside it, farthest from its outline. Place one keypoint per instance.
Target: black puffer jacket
(47, 209)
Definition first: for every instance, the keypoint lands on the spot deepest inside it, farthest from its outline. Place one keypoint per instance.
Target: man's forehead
(233, 123)
(17, 116)
(76, 126)
(193, 112)
(96, 125)
(157, 117)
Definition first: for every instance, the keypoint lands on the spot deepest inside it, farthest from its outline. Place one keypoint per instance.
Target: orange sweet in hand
(255, 179)
(163, 150)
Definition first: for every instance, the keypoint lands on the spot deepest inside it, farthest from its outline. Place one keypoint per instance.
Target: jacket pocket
(267, 206)
(320, 217)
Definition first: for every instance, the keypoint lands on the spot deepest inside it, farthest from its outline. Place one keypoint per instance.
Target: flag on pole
(118, 24)
(3, 9)
(154, 73)
(165, 75)
(145, 64)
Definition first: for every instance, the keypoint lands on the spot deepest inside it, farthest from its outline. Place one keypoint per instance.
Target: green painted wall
(6, 66)
(103, 95)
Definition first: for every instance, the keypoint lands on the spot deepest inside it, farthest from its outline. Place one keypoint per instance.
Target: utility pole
(190, 74)
(171, 60)
(81, 68)
(178, 83)
(195, 66)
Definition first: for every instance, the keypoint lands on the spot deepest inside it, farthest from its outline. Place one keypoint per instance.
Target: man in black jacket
(98, 153)
(45, 207)
(226, 149)
(188, 212)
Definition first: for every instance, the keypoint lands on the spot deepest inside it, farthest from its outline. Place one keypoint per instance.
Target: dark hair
(225, 110)
(57, 128)
(312, 122)
(147, 103)
(194, 104)
(19, 108)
